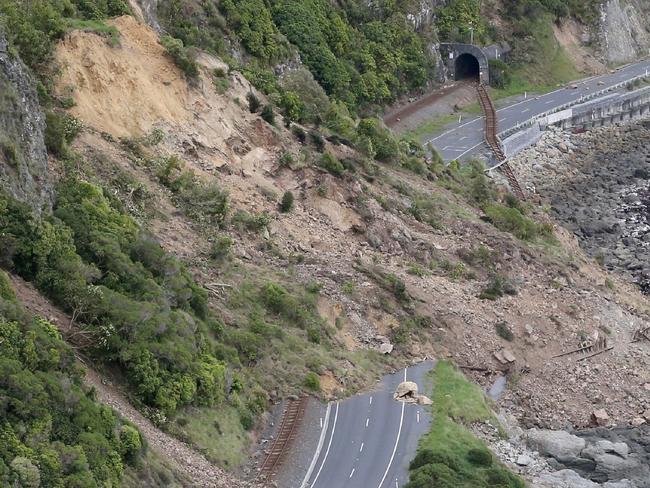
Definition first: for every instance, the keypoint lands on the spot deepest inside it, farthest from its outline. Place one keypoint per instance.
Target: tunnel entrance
(467, 67)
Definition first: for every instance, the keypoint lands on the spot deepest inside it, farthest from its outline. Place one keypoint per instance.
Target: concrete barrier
(596, 110)
(521, 140)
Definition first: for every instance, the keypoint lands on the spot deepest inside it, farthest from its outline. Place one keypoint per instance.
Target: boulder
(505, 356)
(424, 400)
(600, 417)
(386, 348)
(407, 391)
(523, 460)
(565, 478)
(555, 443)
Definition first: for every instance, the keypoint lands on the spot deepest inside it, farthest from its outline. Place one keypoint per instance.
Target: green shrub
(183, 57)
(480, 456)
(384, 145)
(9, 152)
(497, 287)
(317, 140)
(254, 103)
(252, 222)
(221, 247)
(55, 134)
(268, 115)
(299, 133)
(500, 75)
(329, 163)
(287, 202)
(504, 331)
(312, 382)
(220, 80)
(509, 219)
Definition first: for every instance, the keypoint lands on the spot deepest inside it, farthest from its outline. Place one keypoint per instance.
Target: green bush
(312, 382)
(54, 433)
(509, 219)
(94, 262)
(183, 57)
(252, 222)
(221, 247)
(504, 331)
(287, 202)
(480, 456)
(268, 115)
(55, 134)
(497, 287)
(384, 145)
(329, 163)
(500, 76)
(254, 103)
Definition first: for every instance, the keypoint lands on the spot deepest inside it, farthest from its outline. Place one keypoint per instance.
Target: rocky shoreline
(592, 458)
(597, 185)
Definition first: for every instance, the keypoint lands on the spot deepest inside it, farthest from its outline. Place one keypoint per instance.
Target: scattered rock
(523, 460)
(600, 417)
(505, 356)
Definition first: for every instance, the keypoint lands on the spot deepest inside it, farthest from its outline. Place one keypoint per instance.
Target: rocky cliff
(23, 158)
(624, 34)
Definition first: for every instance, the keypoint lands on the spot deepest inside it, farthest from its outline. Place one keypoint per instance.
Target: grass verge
(450, 456)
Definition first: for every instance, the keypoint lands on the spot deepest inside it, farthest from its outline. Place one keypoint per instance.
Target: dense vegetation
(449, 456)
(52, 431)
(360, 56)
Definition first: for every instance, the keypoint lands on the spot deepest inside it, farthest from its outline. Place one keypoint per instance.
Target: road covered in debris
(368, 440)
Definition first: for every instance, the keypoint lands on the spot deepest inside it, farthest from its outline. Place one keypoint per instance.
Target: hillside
(209, 231)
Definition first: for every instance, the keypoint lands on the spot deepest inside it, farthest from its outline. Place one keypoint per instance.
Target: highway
(465, 139)
(368, 440)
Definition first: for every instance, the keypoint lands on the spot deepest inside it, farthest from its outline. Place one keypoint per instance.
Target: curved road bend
(465, 139)
(370, 439)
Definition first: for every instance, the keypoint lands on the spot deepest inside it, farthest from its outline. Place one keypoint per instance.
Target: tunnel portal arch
(467, 67)
(465, 61)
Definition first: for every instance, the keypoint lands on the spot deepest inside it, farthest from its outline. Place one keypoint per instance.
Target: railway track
(291, 418)
(491, 131)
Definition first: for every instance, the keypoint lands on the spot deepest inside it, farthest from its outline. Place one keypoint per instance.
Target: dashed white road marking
(367, 421)
(321, 422)
(525, 110)
(548, 101)
(370, 399)
(361, 448)
(351, 473)
(418, 416)
(399, 433)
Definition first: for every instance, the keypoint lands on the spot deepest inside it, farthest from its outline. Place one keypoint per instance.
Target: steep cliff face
(624, 30)
(23, 157)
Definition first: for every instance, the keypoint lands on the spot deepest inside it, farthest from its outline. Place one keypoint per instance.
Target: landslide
(394, 256)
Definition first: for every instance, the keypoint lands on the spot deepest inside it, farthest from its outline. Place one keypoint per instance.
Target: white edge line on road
(321, 440)
(399, 433)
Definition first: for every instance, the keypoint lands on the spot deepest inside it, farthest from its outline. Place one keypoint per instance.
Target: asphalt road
(466, 138)
(370, 439)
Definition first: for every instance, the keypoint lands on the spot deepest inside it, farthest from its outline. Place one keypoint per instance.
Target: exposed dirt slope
(346, 233)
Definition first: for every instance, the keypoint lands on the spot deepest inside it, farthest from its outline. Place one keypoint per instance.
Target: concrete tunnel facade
(465, 61)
